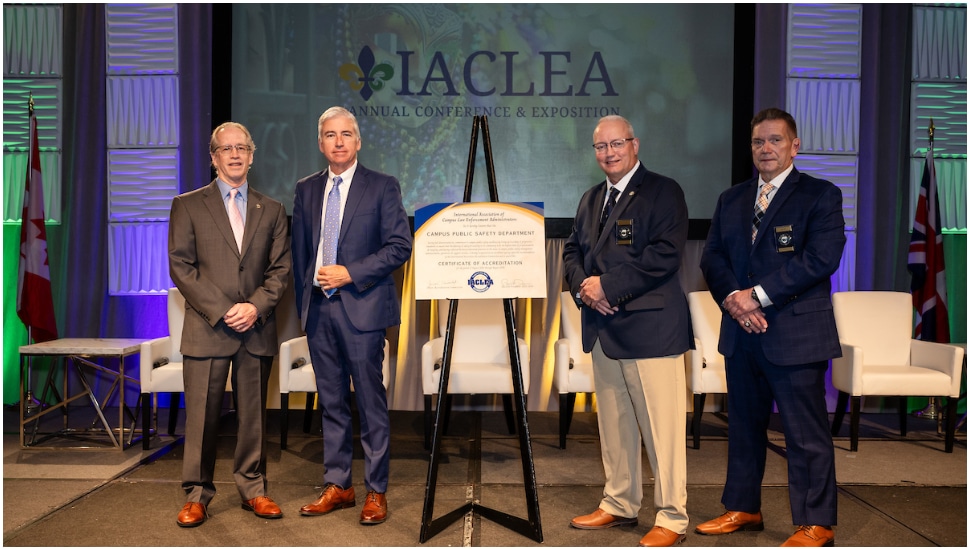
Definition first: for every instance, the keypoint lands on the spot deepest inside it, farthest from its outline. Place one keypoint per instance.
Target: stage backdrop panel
(416, 74)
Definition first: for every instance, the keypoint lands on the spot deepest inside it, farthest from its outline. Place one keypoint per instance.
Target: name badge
(624, 232)
(784, 237)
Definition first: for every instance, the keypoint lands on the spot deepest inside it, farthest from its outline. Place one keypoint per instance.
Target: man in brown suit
(229, 255)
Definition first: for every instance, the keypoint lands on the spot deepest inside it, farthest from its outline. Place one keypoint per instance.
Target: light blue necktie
(331, 227)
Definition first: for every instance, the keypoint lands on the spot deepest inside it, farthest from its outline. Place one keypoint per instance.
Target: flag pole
(31, 405)
(930, 411)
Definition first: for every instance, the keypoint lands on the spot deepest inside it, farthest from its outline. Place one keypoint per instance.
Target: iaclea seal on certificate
(480, 281)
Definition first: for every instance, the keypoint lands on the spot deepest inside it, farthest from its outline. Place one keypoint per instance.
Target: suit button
(240, 268)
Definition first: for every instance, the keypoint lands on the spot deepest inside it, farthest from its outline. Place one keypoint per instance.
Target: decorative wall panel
(824, 40)
(951, 188)
(946, 104)
(843, 171)
(143, 131)
(138, 258)
(827, 113)
(142, 39)
(141, 184)
(47, 107)
(15, 177)
(142, 111)
(939, 43)
(32, 40)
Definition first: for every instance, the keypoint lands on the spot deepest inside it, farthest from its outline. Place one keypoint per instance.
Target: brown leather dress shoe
(375, 508)
(263, 507)
(811, 535)
(601, 520)
(333, 498)
(661, 536)
(730, 522)
(193, 514)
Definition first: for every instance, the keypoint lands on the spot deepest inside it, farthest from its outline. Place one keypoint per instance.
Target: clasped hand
(591, 293)
(241, 317)
(746, 311)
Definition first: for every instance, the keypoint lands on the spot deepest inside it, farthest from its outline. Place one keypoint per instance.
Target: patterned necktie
(608, 209)
(331, 227)
(759, 209)
(235, 219)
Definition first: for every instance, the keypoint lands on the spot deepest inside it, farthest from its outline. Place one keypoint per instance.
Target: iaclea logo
(480, 281)
(556, 78)
(366, 76)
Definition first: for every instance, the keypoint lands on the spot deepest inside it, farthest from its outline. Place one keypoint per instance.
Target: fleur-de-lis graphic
(365, 77)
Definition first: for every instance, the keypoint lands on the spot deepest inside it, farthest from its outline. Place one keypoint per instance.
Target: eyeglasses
(228, 149)
(774, 141)
(616, 144)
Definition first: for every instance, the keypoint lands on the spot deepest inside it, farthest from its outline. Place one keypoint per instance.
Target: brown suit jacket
(213, 275)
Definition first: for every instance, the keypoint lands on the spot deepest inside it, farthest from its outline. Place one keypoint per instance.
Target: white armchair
(480, 362)
(161, 369)
(296, 375)
(574, 367)
(880, 357)
(705, 366)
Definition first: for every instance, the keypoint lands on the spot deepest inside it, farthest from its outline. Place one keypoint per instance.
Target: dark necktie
(608, 209)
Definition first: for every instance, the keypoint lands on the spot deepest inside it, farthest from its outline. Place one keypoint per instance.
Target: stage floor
(894, 492)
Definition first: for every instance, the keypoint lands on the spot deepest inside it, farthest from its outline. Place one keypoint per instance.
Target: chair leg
(566, 403)
(903, 413)
(840, 406)
(854, 423)
(695, 423)
(146, 412)
(509, 416)
(308, 412)
(427, 421)
(284, 419)
(951, 422)
(173, 411)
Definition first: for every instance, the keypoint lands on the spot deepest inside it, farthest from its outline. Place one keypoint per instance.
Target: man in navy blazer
(346, 303)
(621, 263)
(772, 279)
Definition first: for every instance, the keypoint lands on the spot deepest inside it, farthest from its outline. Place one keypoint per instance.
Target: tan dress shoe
(263, 507)
(730, 522)
(332, 498)
(193, 514)
(661, 536)
(375, 508)
(811, 535)
(601, 520)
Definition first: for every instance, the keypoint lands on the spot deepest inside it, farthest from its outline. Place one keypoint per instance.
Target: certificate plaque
(479, 250)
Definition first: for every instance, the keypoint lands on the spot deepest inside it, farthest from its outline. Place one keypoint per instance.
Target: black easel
(532, 527)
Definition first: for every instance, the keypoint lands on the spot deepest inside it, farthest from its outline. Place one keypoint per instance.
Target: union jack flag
(926, 262)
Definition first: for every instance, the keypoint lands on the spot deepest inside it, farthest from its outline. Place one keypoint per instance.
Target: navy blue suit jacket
(795, 275)
(642, 277)
(375, 239)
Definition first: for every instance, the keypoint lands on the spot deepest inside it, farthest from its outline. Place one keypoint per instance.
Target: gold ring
(747, 323)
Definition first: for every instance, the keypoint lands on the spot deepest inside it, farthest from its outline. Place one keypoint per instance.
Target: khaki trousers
(643, 400)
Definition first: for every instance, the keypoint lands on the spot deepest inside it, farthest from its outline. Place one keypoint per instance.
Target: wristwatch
(754, 296)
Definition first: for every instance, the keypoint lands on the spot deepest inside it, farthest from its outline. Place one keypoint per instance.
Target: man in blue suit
(775, 241)
(621, 263)
(350, 232)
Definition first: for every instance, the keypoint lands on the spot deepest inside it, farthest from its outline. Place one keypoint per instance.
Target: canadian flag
(35, 303)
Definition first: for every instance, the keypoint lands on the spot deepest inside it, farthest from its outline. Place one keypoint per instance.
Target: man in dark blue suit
(621, 263)
(350, 232)
(774, 243)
